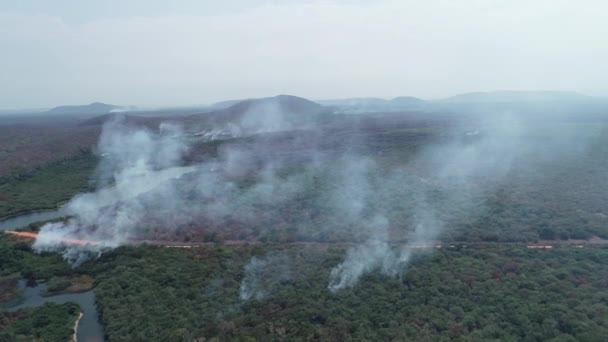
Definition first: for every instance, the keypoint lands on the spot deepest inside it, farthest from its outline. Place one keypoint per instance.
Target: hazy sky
(156, 52)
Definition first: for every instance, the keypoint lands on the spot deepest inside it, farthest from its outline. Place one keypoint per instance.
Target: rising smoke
(142, 168)
(456, 169)
(263, 275)
(288, 189)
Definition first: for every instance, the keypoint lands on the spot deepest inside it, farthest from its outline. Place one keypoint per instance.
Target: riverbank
(23, 220)
(9, 291)
(75, 336)
(86, 328)
(31, 212)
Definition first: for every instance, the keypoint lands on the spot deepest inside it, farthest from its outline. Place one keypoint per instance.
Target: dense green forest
(50, 323)
(47, 186)
(481, 294)
(18, 260)
(492, 290)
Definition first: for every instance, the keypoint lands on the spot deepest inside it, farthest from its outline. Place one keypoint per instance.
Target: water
(20, 221)
(89, 327)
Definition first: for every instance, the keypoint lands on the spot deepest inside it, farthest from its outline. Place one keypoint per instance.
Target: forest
(483, 292)
(538, 198)
(486, 286)
(327, 170)
(50, 322)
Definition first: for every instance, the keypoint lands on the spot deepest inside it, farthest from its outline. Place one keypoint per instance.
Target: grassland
(25, 147)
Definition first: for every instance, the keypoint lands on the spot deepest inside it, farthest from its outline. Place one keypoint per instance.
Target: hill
(151, 122)
(501, 96)
(93, 108)
(287, 104)
(275, 113)
(374, 105)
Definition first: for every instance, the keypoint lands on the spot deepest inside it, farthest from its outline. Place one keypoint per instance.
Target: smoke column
(141, 167)
(290, 188)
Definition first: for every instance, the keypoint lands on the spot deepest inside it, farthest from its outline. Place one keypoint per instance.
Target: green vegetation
(489, 291)
(553, 189)
(9, 290)
(541, 197)
(46, 187)
(69, 284)
(18, 260)
(49, 322)
(481, 294)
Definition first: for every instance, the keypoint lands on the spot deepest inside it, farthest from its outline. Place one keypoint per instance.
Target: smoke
(309, 185)
(137, 178)
(456, 169)
(268, 115)
(264, 275)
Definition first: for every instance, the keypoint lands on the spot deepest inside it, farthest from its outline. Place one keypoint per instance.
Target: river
(19, 221)
(89, 327)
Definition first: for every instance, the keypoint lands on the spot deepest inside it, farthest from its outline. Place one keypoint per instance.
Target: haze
(151, 53)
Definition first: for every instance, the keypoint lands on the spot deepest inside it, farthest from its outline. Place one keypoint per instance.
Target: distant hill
(93, 108)
(151, 122)
(226, 104)
(529, 102)
(283, 103)
(268, 113)
(354, 102)
(409, 101)
(541, 104)
(373, 104)
(502, 96)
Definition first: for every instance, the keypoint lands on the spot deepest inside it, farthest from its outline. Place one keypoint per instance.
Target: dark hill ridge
(226, 104)
(373, 104)
(407, 100)
(284, 112)
(287, 108)
(529, 102)
(285, 103)
(93, 108)
(150, 122)
(255, 114)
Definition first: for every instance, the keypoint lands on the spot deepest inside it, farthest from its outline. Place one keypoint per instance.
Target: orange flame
(30, 235)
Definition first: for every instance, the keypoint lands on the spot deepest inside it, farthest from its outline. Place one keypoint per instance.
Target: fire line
(31, 235)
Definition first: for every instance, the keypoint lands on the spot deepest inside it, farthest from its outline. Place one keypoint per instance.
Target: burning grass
(31, 235)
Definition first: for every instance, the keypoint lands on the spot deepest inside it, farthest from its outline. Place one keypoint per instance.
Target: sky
(172, 53)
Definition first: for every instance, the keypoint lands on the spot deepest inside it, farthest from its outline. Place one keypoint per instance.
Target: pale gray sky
(157, 53)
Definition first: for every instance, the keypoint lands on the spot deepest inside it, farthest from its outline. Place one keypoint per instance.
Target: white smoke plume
(263, 276)
(138, 170)
(297, 190)
(456, 168)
